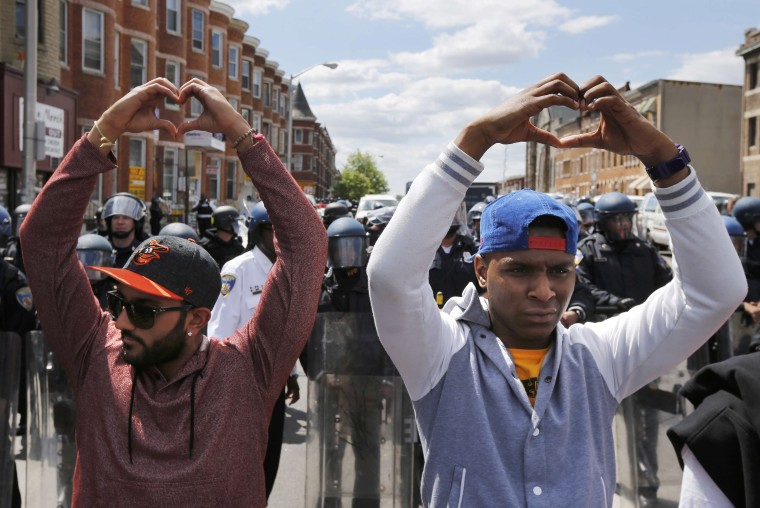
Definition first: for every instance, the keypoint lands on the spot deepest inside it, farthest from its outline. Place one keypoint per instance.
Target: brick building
(94, 52)
(704, 117)
(750, 141)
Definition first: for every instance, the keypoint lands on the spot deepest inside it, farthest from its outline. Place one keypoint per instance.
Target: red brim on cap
(138, 282)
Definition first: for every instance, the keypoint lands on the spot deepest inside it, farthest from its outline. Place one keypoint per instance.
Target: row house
(750, 127)
(704, 117)
(92, 53)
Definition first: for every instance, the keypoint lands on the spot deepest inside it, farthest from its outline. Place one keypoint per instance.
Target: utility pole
(26, 189)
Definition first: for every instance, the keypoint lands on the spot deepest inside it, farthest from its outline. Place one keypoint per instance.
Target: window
(283, 105)
(275, 137)
(198, 30)
(217, 42)
(257, 83)
(231, 179)
(92, 40)
(173, 16)
(232, 64)
(138, 69)
(137, 152)
(297, 136)
(141, 3)
(213, 167)
(276, 99)
(170, 174)
(267, 95)
(246, 113)
(173, 75)
(752, 132)
(234, 103)
(245, 75)
(116, 59)
(752, 75)
(298, 163)
(195, 106)
(256, 122)
(63, 50)
(21, 19)
(266, 129)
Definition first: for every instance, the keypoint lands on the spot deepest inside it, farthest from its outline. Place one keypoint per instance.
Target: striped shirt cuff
(685, 198)
(457, 167)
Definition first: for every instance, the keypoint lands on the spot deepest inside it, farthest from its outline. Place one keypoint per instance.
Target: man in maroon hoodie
(165, 416)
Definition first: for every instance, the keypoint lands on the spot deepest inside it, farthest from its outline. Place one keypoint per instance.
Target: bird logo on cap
(150, 252)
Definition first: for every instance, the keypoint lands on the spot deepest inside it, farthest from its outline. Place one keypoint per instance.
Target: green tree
(360, 176)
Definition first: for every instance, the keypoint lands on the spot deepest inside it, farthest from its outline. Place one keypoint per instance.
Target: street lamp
(292, 95)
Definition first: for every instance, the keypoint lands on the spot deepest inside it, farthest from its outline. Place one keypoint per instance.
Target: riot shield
(10, 372)
(50, 446)
(359, 445)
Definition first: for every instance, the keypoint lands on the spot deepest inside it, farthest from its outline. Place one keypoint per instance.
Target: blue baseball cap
(505, 221)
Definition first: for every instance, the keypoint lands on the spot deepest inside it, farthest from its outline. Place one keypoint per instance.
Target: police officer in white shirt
(243, 280)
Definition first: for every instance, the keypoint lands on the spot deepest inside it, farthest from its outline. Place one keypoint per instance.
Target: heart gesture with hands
(135, 112)
(621, 128)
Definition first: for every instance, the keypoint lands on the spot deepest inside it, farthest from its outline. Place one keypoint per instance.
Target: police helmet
(747, 211)
(19, 213)
(259, 219)
(95, 250)
(476, 212)
(346, 243)
(737, 234)
(335, 211)
(6, 229)
(225, 218)
(124, 203)
(586, 210)
(611, 208)
(377, 220)
(181, 230)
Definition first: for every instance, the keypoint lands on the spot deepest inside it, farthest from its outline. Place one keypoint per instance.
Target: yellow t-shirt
(528, 365)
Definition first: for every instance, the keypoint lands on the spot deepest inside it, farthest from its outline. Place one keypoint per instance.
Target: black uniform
(123, 253)
(629, 269)
(203, 211)
(614, 271)
(16, 315)
(220, 250)
(451, 272)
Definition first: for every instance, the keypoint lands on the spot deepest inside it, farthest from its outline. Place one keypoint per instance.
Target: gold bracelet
(104, 141)
(243, 136)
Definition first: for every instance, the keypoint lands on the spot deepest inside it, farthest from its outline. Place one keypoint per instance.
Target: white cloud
(585, 23)
(628, 57)
(721, 66)
(256, 7)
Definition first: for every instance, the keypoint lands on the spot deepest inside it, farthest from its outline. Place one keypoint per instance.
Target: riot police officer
(622, 270)
(222, 240)
(94, 250)
(11, 249)
(473, 220)
(181, 230)
(124, 214)
(345, 286)
(452, 267)
(203, 211)
(376, 222)
(334, 211)
(586, 211)
(243, 279)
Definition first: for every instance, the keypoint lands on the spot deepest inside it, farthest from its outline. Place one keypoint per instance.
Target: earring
(189, 334)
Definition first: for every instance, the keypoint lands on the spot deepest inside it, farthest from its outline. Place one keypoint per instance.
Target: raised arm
(418, 338)
(69, 313)
(285, 314)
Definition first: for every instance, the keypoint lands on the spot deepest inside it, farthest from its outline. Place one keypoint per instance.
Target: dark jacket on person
(451, 272)
(219, 249)
(723, 432)
(614, 271)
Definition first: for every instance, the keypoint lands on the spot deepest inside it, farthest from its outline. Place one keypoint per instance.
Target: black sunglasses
(140, 314)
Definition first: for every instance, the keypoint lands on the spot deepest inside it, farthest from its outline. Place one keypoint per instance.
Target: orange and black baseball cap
(171, 267)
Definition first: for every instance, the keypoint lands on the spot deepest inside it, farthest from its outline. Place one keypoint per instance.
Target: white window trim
(169, 30)
(203, 30)
(221, 49)
(144, 44)
(178, 75)
(236, 49)
(102, 16)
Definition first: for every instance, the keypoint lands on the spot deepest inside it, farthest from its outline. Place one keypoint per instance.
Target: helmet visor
(95, 258)
(123, 205)
(347, 251)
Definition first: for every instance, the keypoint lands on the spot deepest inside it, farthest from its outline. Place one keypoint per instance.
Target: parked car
(650, 222)
(721, 199)
(371, 202)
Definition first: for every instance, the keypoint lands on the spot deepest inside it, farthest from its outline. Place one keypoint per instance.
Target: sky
(412, 73)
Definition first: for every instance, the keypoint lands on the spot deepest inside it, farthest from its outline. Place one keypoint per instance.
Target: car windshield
(371, 204)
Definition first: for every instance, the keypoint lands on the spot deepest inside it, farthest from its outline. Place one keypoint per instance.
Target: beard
(163, 350)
